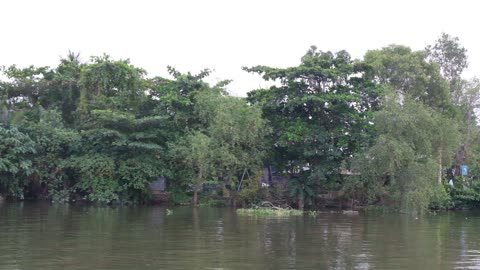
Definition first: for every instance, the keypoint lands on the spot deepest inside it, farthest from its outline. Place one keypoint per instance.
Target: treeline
(384, 130)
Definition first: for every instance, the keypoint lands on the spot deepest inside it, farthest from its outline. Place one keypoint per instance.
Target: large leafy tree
(121, 154)
(28, 89)
(64, 87)
(403, 164)
(410, 75)
(417, 128)
(176, 98)
(451, 57)
(197, 153)
(111, 84)
(237, 129)
(54, 143)
(319, 112)
(227, 141)
(24, 86)
(121, 145)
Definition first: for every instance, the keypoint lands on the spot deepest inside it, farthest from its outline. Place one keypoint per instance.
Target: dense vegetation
(389, 129)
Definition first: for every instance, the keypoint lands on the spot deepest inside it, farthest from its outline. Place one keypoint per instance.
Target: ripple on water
(70, 237)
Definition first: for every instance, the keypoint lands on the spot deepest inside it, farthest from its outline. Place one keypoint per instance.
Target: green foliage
(53, 143)
(467, 197)
(302, 189)
(97, 177)
(236, 127)
(227, 139)
(467, 98)
(91, 138)
(442, 199)
(108, 77)
(319, 112)
(269, 212)
(451, 57)
(24, 85)
(404, 158)
(196, 154)
(176, 98)
(179, 194)
(111, 84)
(63, 92)
(409, 74)
(16, 149)
(381, 130)
(127, 148)
(418, 129)
(252, 191)
(465, 192)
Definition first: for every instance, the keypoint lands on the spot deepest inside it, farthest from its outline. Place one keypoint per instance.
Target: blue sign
(464, 169)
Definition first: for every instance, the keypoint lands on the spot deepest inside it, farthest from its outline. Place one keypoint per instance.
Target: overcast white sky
(226, 35)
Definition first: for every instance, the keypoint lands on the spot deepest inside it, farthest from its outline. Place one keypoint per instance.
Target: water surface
(44, 236)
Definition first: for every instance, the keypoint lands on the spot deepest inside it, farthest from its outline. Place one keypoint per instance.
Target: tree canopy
(391, 128)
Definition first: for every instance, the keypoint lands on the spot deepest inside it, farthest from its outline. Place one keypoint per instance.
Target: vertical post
(440, 158)
(241, 180)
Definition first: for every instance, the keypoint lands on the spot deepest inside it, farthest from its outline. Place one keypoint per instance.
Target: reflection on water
(44, 236)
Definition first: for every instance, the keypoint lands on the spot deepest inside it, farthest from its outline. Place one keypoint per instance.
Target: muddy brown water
(45, 236)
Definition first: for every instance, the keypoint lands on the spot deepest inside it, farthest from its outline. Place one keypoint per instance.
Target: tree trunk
(460, 155)
(269, 168)
(301, 202)
(197, 187)
(195, 198)
(440, 158)
(227, 186)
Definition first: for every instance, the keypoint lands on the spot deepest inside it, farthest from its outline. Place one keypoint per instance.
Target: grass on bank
(269, 212)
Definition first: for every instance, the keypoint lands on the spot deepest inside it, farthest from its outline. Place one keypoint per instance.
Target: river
(45, 236)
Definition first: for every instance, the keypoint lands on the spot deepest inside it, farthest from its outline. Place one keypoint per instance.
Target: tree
(63, 91)
(197, 153)
(121, 154)
(404, 160)
(319, 112)
(176, 98)
(410, 75)
(111, 84)
(237, 129)
(468, 102)
(228, 140)
(22, 90)
(451, 56)
(53, 145)
(51, 88)
(452, 59)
